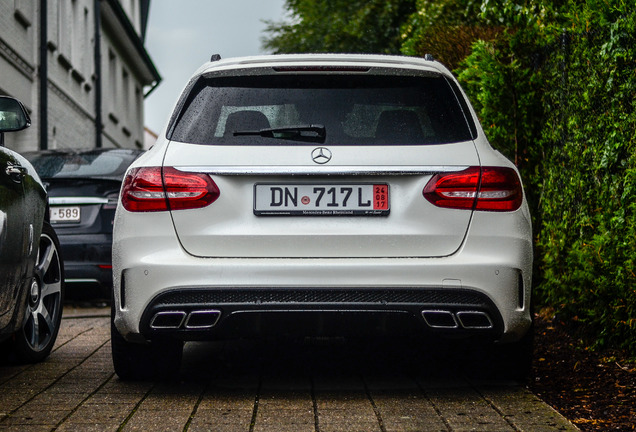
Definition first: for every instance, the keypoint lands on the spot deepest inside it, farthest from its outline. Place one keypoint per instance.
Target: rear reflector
(485, 188)
(149, 189)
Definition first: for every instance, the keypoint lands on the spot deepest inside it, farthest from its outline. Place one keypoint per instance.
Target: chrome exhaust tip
(474, 320)
(167, 320)
(202, 319)
(440, 319)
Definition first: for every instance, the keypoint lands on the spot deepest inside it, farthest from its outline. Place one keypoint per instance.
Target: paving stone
(101, 414)
(345, 400)
(290, 417)
(228, 401)
(20, 428)
(525, 410)
(53, 400)
(345, 425)
(85, 427)
(286, 401)
(149, 421)
(168, 404)
(29, 416)
(207, 424)
(412, 423)
(102, 397)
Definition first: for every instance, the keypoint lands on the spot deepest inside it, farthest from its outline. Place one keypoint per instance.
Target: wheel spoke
(51, 288)
(46, 319)
(44, 261)
(33, 328)
(40, 327)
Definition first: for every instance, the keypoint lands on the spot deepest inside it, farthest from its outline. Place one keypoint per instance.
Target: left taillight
(478, 188)
(149, 189)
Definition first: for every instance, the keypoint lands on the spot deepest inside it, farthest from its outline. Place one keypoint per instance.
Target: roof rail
(215, 57)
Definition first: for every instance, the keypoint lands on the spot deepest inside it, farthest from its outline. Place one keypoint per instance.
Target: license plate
(65, 214)
(321, 199)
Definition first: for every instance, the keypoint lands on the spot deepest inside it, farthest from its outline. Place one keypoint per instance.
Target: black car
(31, 269)
(83, 187)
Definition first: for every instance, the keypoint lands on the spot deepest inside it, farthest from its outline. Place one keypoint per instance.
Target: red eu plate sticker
(380, 197)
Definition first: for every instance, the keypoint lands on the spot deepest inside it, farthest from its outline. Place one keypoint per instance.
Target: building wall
(123, 97)
(18, 66)
(72, 79)
(69, 124)
(71, 66)
(133, 10)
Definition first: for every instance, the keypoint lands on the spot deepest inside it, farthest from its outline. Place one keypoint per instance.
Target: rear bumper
(238, 312)
(88, 258)
(490, 273)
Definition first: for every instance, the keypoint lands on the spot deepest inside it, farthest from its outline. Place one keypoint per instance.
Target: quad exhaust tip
(474, 320)
(167, 320)
(470, 320)
(440, 319)
(202, 319)
(194, 320)
(207, 318)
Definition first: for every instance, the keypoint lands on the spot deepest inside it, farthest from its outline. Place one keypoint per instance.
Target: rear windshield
(332, 109)
(85, 164)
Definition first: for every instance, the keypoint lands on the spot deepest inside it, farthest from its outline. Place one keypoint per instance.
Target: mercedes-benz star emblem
(321, 155)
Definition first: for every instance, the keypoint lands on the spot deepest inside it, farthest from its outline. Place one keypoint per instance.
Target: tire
(43, 316)
(133, 362)
(515, 359)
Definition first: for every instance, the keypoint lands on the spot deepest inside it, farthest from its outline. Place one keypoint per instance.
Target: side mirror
(13, 115)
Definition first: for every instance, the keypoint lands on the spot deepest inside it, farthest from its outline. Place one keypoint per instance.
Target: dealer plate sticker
(364, 199)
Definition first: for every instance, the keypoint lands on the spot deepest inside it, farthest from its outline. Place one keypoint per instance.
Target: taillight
(149, 189)
(485, 188)
(143, 190)
(453, 190)
(186, 190)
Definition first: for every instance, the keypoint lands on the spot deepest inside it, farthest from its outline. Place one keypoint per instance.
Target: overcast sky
(182, 35)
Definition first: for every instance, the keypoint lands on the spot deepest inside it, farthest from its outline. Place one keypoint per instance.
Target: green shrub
(556, 93)
(587, 236)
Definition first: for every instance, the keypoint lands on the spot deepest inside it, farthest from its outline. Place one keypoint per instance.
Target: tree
(446, 29)
(353, 26)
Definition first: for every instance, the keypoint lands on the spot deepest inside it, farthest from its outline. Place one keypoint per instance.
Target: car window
(82, 164)
(354, 110)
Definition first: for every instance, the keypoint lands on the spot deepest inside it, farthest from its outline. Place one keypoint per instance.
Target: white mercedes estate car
(320, 195)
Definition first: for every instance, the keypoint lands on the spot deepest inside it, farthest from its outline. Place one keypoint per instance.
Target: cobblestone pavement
(321, 386)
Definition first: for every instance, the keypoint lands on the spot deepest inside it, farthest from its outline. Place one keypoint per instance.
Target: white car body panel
(228, 228)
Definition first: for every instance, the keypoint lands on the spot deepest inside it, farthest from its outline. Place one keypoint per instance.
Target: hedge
(556, 92)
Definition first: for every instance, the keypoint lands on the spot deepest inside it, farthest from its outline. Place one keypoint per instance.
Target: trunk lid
(230, 227)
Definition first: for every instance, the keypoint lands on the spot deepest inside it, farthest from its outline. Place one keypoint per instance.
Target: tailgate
(254, 180)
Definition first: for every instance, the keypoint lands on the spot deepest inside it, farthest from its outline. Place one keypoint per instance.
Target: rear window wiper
(311, 133)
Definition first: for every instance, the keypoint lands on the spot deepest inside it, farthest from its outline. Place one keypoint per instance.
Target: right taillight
(150, 189)
(478, 188)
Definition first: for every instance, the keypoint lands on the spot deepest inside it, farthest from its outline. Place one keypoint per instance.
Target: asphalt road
(312, 385)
